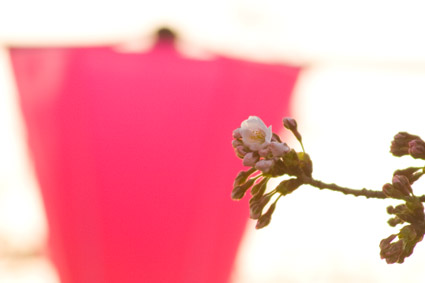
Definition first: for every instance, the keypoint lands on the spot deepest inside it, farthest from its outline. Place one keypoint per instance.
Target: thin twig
(347, 191)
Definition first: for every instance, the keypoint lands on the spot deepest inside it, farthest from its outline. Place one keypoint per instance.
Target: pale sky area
(363, 80)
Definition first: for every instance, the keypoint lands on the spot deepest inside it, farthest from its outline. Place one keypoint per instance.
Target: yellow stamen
(257, 135)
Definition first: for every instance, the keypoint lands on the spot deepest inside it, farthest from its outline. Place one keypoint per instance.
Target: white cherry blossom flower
(255, 133)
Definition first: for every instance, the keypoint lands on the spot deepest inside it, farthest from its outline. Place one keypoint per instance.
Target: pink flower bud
(236, 143)
(250, 159)
(264, 165)
(412, 173)
(385, 243)
(391, 191)
(264, 152)
(237, 133)
(417, 148)
(400, 143)
(401, 183)
(394, 253)
(278, 149)
(240, 151)
(290, 123)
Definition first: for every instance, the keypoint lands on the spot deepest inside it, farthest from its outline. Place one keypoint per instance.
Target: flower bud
(390, 209)
(236, 143)
(411, 173)
(265, 219)
(406, 213)
(250, 159)
(237, 133)
(390, 191)
(265, 152)
(395, 221)
(401, 208)
(238, 192)
(385, 243)
(264, 165)
(240, 151)
(242, 176)
(400, 143)
(417, 148)
(257, 205)
(401, 184)
(260, 187)
(278, 149)
(291, 125)
(288, 186)
(393, 253)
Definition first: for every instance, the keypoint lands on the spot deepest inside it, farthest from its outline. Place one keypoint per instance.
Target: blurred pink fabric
(133, 155)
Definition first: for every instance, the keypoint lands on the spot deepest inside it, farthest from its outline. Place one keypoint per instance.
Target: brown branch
(347, 191)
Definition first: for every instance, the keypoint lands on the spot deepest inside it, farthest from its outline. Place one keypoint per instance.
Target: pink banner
(134, 158)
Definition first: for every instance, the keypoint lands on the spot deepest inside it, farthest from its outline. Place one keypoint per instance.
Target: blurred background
(361, 80)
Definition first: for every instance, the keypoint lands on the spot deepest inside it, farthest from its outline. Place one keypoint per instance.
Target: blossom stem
(271, 193)
(347, 191)
(302, 146)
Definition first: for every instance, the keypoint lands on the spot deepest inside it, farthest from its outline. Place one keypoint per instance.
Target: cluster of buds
(407, 144)
(412, 211)
(268, 157)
